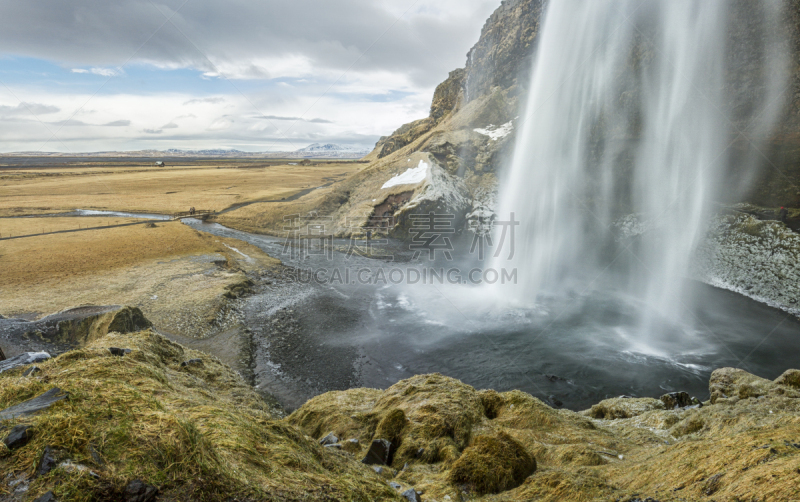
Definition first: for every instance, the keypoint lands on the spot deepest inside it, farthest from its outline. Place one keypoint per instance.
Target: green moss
(492, 464)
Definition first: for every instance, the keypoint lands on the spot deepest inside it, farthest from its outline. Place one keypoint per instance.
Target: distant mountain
(315, 151)
(330, 150)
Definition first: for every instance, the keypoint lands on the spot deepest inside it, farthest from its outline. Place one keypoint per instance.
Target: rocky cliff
(489, 91)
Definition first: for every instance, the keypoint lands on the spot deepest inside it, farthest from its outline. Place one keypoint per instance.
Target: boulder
(329, 439)
(192, 362)
(380, 453)
(675, 400)
(82, 325)
(48, 461)
(116, 351)
(734, 384)
(47, 497)
(138, 491)
(34, 405)
(18, 437)
(411, 495)
(493, 463)
(22, 360)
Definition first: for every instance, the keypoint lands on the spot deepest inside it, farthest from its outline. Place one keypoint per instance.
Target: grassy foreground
(198, 432)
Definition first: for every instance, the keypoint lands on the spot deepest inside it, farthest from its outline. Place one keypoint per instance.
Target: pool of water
(571, 349)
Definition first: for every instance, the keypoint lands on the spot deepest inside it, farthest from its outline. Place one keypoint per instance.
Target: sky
(268, 75)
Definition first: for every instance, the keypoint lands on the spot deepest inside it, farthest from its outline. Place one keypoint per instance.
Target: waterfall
(622, 147)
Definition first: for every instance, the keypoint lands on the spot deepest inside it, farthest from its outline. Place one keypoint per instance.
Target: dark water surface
(575, 350)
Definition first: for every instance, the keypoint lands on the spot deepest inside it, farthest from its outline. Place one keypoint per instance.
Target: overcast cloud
(268, 75)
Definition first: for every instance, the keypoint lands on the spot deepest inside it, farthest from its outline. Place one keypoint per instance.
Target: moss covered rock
(492, 464)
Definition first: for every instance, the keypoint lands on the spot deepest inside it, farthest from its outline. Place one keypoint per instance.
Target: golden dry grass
(159, 190)
(14, 227)
(197, 432)
(171, 272)
(63, 256)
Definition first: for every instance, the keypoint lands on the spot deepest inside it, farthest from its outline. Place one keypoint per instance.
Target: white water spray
(626, 115)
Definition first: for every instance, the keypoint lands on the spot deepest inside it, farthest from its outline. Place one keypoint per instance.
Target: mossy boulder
(728, 385)
(492, 464)
(623, 407)
(790, 378)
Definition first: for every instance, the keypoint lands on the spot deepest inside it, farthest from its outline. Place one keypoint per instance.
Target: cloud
(220, 124)
(295, 119)
(70, 122)
(171, 125)
(103, 72)
(205, 100)
(28, 108)
(346, 72)
(248, 40)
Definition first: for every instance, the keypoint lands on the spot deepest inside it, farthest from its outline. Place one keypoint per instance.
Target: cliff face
(502, 56)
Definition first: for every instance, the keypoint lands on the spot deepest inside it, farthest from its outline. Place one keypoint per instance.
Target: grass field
(158, 190)
(13, 227)
(178, 276)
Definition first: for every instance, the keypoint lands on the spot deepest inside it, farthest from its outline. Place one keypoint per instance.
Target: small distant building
(160, 163)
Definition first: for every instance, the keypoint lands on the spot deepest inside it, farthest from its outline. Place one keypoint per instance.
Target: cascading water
(627, 126)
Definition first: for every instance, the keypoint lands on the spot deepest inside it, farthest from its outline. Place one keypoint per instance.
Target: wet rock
(96, 457)
(712, 485)
(138, 491)
(380, 453)
(790, 378)
(675, 400)
(31, 406)
(18, 437)
(47, 497)
(116, 351)
(49, 460)
(329, 439)
(23, 359)
(31, 371)
(192, 362)
(412, 495)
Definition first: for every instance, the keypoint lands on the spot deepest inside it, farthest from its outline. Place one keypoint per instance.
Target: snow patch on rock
(412, 176)
(497, 132)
